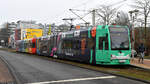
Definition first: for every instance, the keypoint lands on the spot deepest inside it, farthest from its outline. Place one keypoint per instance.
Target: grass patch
(147, 57)
(136, 73)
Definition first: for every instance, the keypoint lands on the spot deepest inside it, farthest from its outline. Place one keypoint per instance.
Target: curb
(140, 67)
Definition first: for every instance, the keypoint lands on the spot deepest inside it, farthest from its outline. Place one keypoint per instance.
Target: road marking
(72, 80)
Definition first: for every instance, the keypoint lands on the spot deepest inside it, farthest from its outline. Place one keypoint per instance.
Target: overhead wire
(60, 14)
(79, 5)
(85, 2)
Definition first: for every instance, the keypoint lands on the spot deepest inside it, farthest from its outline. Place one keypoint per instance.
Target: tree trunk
(145, 27)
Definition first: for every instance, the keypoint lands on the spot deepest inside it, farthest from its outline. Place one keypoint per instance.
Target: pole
(132, 30)
(93, 17)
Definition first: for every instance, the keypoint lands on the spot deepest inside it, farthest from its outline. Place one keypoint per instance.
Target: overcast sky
(48, 11)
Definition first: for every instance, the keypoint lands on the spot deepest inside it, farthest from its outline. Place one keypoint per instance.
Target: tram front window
(119, 38)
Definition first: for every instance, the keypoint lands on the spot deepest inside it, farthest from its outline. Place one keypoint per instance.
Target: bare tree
(144, 7)
(122, 18)
(106, 13)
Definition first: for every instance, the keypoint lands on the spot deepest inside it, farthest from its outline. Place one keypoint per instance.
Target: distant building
(11, 41)
(28, 24)
(49, 28)
(28, 30)
(12, 26)
(7, 29)
(17, 34)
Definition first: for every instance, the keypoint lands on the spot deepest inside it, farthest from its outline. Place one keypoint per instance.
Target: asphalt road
(35, 70)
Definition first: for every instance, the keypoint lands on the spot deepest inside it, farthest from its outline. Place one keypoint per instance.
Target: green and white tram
(112, 45)
(103, 44)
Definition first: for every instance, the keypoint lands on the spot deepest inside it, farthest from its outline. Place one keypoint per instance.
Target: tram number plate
(122, 60)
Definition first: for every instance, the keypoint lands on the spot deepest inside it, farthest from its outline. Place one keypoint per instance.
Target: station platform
(146, 63)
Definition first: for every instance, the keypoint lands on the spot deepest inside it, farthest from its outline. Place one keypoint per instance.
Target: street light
(133, 17)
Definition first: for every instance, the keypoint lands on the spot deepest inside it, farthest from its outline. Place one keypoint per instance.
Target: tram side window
(51, 41)
(106, 43)
(83, 43)
(101, 39)
(63, 44)
(33, 45)
(25, 45)
(90, 43)
(76, 44)
(67, 44)
(70, 45)
(55, 40)
(29, 44)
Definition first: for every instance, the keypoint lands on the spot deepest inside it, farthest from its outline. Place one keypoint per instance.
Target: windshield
(119, 38)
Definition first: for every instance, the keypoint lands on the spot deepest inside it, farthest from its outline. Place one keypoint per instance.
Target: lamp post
(133, 17)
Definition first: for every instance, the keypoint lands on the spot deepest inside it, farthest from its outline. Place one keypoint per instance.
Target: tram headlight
(128, 56)
(113, 57)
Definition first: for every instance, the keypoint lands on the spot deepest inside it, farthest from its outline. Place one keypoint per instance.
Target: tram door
(102, 49)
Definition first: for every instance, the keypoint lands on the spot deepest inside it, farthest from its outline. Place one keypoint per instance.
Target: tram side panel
(74, 47)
